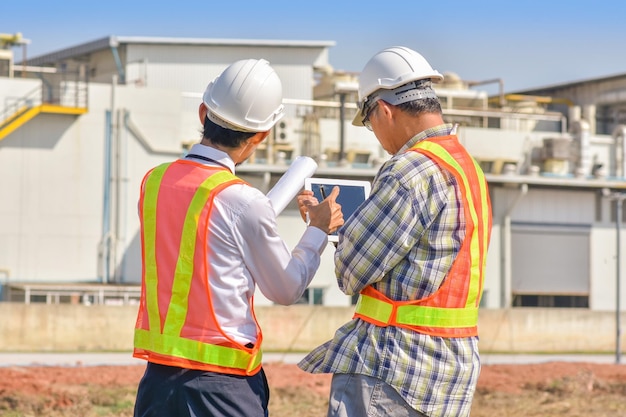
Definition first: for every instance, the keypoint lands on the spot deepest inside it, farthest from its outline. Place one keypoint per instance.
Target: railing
(66, 89)
(14, 106)
(72, 293)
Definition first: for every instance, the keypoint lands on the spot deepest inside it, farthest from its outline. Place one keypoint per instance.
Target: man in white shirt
(208, 240)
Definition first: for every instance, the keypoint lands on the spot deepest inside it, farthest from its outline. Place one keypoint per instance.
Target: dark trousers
(167, 391)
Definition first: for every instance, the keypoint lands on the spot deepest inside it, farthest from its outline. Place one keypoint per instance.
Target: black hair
(425, 105)
(224, 137)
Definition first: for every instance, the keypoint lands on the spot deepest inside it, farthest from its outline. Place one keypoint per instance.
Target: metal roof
(569, 84)
(115, 41)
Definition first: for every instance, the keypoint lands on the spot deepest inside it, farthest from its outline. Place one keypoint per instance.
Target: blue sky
(525, 43)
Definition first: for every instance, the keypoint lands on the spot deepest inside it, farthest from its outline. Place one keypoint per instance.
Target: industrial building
(80, 126)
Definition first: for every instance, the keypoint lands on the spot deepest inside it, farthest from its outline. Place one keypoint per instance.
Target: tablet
(351, 194)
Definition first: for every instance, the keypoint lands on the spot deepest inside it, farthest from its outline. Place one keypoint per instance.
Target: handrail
(56, 88)
(27, 101)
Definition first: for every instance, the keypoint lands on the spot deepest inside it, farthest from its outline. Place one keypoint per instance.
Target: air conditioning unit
(284, 131)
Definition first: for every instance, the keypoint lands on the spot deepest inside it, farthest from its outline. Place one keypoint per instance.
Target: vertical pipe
(506, 252)
(106, 208)
(117, 201)
(618, 348)
(106, 212)
(342, 138)
(118, 65)
(619, 140)
(122, 234)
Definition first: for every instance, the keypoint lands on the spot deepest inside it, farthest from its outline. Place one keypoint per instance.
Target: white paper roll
(291, 182)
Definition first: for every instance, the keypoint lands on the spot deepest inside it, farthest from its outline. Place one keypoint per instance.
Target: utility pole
(619, 198)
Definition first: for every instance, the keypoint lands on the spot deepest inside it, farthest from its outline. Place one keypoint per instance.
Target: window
(550, 266)
(312, 296)
(555, 301)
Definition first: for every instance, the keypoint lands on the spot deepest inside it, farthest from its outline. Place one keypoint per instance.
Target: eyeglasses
(366, 119)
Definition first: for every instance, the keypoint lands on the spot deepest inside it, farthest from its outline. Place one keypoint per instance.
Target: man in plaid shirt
(415, 251)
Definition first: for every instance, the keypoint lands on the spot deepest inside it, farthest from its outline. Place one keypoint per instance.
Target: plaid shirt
(403, 241)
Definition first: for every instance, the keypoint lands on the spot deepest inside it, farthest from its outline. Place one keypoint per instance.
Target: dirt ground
(548, 389)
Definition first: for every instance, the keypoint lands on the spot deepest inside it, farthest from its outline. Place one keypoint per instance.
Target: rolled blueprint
(291, 182)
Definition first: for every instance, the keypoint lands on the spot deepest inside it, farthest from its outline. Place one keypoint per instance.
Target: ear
(202, 112)
(258, 137)
(385, 108)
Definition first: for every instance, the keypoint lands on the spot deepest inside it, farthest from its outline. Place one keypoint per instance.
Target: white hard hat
(247, 97)
(389, 69)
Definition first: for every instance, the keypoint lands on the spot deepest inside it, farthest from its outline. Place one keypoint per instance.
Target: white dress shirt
(245, 250)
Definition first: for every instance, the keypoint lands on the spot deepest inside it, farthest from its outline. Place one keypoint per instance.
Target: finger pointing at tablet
(326, 215)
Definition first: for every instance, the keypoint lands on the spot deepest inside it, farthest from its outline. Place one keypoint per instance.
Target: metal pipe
(500, 82)
(538, 99)
(117, 201)
(28, 68)
(618, 197)
(505, 291)
(342, 137)
(105, 241)
(106, 203)
(619, 139)
(618, 325)
(136, 132)
(118, 64)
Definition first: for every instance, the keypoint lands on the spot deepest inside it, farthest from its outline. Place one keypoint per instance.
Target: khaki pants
(354, 395)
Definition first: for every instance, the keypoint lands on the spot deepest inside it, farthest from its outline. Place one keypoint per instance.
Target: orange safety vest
(176, 309)
(452, 311)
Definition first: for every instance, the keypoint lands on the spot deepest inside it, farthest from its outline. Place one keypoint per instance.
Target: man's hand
(304, 196)
(326, 215)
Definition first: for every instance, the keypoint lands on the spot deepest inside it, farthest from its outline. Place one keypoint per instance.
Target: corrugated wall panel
(550, 260)
(547, 206)
(190, 68)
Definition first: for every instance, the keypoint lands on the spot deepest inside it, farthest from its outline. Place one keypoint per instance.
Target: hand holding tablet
(351, 194)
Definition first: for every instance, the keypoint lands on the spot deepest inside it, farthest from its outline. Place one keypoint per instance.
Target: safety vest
(452, 311)
(176, 309)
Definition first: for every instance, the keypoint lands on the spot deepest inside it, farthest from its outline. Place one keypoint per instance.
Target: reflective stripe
(416, 315)
(177, 311)
(149, 231)
(197, 351)
(373, 308)
(437, 317)
(475, 249)
(486, 226)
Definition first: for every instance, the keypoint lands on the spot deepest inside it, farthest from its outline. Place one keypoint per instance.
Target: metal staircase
(60, 97)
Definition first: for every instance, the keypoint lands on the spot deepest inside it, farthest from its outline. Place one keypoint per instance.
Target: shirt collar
(218, 156)
(441, 130)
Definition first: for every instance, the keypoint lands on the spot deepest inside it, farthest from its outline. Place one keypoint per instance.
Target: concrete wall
(66, 327)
